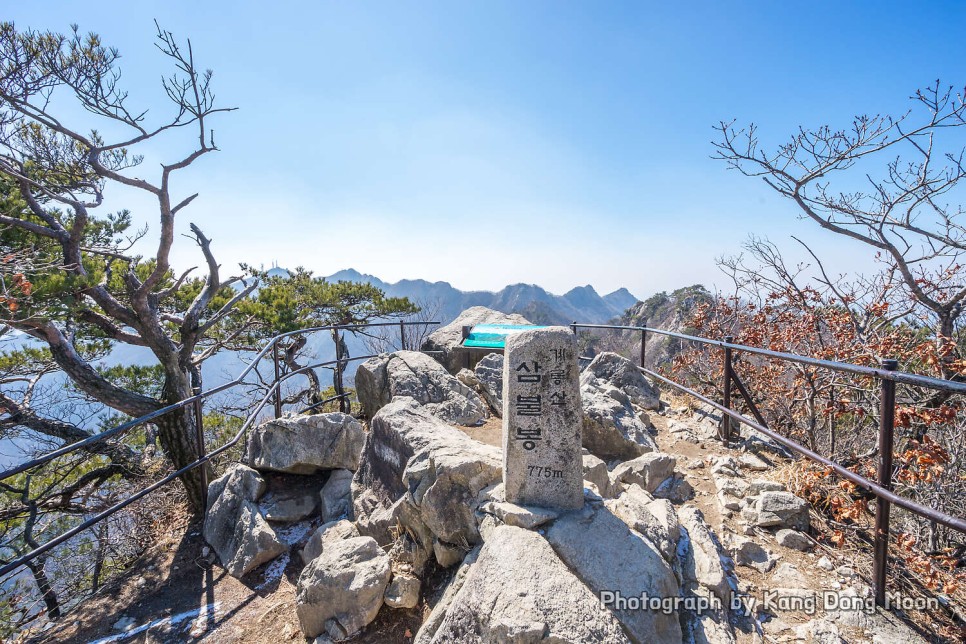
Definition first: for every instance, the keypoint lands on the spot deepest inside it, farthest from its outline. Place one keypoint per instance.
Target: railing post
(643, 342)
(402, 335)
(831, 423)
(573, 327)
(278, 374)
(200, 438)
(337, 375)
(465, 330)
(887, 416)
(726, 384)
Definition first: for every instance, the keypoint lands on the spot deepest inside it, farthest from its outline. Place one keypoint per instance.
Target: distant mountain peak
(582, 303)
(582, 290)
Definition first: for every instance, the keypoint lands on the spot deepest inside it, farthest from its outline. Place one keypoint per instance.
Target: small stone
(781, 509)
(845, 571)
(648, 471)
(487, 524)
(732, 486)
(748, 553)
(447, 554)
(757, 486)
(753, 463)
(787, 574)
(825, 564)
(728, 502)
(403, 591)
(724, 462)
(793, 539)
(675, 489)
(596, 472)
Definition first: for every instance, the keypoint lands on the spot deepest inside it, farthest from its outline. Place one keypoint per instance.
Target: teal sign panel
(493, 336)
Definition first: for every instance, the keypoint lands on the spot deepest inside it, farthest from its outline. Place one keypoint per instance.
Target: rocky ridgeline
(413, 493)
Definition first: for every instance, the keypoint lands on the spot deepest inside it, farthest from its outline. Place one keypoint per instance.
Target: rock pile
(414, 494)
(415, 375)
(293, 467)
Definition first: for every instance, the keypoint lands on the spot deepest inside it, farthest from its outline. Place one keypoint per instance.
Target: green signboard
(493, 336)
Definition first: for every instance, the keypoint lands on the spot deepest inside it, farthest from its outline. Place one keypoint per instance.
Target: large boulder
(447, 339)
(306, 444)
(340, 591)
(612, 429)
(620, 372)
(415, 375)
(234, 525)
(518, 590)
(610, 557)
(489, 375)
(331, 531)
(423, 473)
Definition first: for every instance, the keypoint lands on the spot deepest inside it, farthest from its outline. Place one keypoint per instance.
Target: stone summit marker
(542, 463)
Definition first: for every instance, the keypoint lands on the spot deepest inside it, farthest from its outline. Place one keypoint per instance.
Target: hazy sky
(487, 143)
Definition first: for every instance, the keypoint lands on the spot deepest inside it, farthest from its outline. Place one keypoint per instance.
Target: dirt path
(175, 594)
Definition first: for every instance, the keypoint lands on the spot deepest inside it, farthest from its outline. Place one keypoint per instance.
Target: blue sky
(486, 143)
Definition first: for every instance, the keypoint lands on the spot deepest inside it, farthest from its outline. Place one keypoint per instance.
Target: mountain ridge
(581, 303)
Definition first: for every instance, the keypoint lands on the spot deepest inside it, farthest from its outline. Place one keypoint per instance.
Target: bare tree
(411, 336)
(59, 174)
(901, 211)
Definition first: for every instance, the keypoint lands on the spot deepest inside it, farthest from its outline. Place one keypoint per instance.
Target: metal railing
(887, 375)
(881, 488)
(274, 393)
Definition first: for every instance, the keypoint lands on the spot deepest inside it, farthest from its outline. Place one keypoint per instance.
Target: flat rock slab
(288, 507)
(306, 444)
(519, 591)
(518, 515)
(542, 462)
